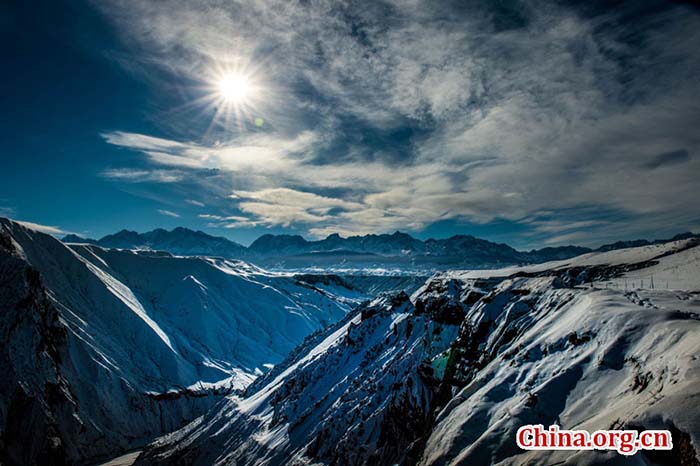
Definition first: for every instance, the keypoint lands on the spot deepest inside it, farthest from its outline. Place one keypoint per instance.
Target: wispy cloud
(168, 213)
(140, 176)
(228, 221)
(395, 115)
(194, 203)
(668, 158)
(282, 206)
(51, 230)
(6, 211)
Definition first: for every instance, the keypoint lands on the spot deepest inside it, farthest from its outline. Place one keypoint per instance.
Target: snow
(153, 340)
(340, 373)
(679, 271)
(398, 380)
(610, 258)
(124, 460)
(140, 343)
(590, 386)
(127, 297)
(226, 315)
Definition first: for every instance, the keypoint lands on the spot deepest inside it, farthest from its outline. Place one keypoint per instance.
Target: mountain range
(446, 376)
(400, 249)
(105, 349)
(180, 241)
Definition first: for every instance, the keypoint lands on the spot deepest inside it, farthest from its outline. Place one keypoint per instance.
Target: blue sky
(531, 122)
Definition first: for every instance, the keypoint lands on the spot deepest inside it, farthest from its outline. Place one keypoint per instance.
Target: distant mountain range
(398, 249)
(180, 241)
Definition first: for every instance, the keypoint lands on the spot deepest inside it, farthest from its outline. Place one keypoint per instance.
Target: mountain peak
(73, 238)
(179, 241)
(282, 243)
(293, 250)
(123, 232)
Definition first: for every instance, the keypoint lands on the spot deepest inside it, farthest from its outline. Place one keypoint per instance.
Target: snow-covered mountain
(180, 241)
(103, 349)
(446, 376)
(397, 250)
(400, 249)
(395, 244)
(295, 252)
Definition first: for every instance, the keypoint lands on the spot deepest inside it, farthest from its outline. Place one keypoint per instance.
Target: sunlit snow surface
(536, 350)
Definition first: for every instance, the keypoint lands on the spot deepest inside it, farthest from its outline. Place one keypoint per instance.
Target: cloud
(51, 230)
(234, 218)
(396, 115)
(558, 226)
(141, 141)
(260, 152)
(141, 176)
(293, 198)
(228, 221)
(168, 213)
(194, 203)
(283, 206)
(6, 211)
(668, 158)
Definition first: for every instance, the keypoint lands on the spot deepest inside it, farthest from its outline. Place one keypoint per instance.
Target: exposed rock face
(372, 386)
(49, 412)
(34, 396)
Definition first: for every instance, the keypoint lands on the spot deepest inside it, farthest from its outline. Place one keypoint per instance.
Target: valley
(204, 360)
(447, 375)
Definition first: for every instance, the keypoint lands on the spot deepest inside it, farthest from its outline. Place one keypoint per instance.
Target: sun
(234, 88)
(235, 94)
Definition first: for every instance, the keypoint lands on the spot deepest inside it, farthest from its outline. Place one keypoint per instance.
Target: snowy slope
(638, 256)
(352, 387)
(448, 376)
(679, 271)
(361, 286)
(137, 343)
(602, 360)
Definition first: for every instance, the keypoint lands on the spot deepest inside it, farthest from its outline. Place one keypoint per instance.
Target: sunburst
(234, 95)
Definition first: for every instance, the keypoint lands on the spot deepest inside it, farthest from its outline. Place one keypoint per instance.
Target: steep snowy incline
(143, 342)
(447, 376)
(34, 396)
(594, 359)
(364, 381)
(236, 315)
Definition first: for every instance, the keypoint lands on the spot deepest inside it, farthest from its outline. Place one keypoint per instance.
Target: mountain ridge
(106, 348)
(288, 251)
